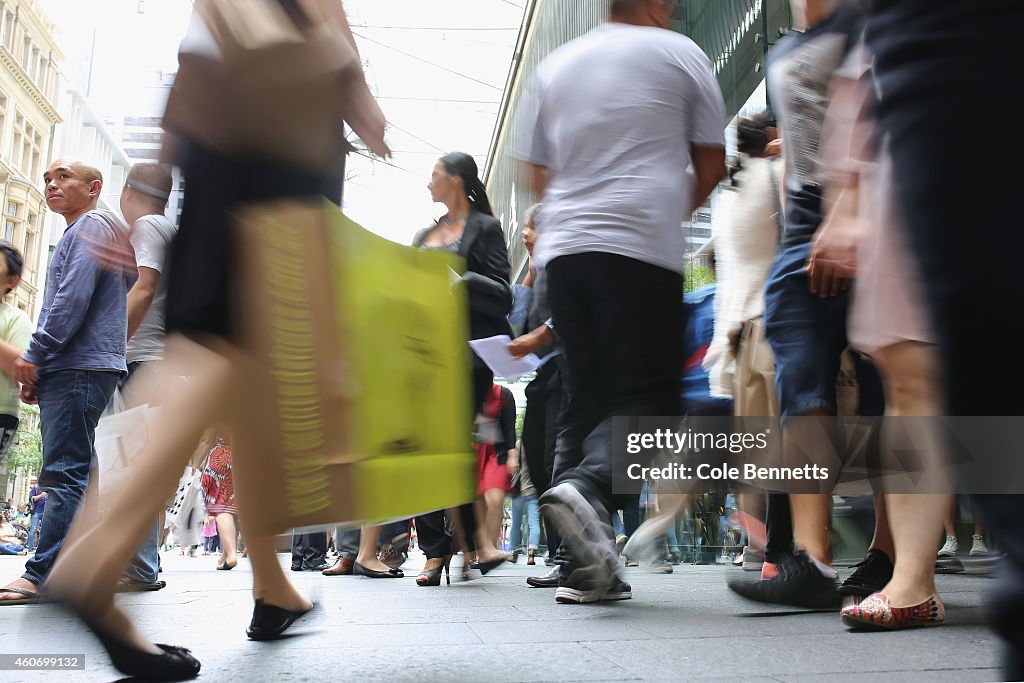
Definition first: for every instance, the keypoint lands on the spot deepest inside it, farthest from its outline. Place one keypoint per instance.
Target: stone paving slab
(682, 626)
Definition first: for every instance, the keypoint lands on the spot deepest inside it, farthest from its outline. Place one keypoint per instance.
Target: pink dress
(888, 304)
(216, 481)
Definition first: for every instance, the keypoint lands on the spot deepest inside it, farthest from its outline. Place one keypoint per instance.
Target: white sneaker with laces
(950, 548)
(978, 546)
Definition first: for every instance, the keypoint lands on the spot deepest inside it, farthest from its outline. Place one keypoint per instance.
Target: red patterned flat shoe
(875, 612)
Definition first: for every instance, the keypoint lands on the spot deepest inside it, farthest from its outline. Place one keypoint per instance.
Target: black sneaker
(870, 576)
(548, 580)
(799, 583)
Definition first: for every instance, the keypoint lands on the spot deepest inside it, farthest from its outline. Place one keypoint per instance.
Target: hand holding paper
(494, 352)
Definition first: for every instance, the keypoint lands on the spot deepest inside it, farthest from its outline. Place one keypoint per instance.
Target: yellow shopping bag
(357, 368)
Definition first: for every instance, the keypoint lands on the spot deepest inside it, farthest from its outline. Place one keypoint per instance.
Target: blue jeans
(70, 404)
(346, 542)
(529, 504)
(10, 549)
(33, 528)
(145, 566)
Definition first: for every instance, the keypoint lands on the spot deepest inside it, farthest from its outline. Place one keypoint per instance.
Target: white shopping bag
(191, 512)
(120, 439)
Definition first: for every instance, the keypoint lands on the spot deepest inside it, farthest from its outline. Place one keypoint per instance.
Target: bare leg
(811, 524)
(367, 556)
(494, 502)
(269, 582)
(812, 512)
(913, 388)
(228, 537)
(91, 561)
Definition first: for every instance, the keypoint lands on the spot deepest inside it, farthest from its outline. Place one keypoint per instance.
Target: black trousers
(621, 324)
(309, 550)
(432, 531)
(943, 67)
(778, 524)
(544, 403)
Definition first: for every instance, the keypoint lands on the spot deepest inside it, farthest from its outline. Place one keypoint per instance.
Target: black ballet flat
(360, 570)
(173, 664)
(485, 567)
(269, 622)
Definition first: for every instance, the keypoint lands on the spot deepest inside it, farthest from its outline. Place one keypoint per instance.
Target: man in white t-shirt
(623, 133)
(143, 202)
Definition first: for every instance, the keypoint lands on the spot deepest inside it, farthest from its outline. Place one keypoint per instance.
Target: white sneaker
(978, 546)
(950, 548)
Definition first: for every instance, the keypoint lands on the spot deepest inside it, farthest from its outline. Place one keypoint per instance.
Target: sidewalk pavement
(681, 626)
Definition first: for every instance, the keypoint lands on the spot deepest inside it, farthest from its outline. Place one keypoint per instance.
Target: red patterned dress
(216, 481)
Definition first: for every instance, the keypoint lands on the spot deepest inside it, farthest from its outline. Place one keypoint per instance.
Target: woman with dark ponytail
(470, 230)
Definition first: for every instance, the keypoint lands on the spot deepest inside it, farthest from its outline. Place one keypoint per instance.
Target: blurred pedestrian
(938, 192)
(143, 202)
(613, 122)
(544, 396)
(203, 328)
(806, 306)
(497, 457)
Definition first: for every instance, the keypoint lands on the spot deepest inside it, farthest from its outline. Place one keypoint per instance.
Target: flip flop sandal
(128, 585)
(28, 597)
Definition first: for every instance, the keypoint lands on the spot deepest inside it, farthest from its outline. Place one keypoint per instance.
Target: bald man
(76, 356)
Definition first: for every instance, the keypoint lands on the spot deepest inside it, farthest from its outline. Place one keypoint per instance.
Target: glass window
(9, 30)
(9, 231)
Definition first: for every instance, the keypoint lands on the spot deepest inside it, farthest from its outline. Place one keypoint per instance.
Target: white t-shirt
(151, 237)
(612, 114)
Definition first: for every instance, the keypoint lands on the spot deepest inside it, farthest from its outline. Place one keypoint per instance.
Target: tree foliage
(698, 276)
(27, 451)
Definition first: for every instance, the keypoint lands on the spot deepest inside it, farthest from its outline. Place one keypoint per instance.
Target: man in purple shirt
(77, 354)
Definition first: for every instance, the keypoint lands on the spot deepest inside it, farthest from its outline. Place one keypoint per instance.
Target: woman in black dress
(201, 326)
(470, 230)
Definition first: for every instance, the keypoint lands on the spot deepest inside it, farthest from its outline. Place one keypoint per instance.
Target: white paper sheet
(494, 352)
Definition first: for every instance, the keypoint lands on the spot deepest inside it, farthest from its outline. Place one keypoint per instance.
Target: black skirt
(202, 265)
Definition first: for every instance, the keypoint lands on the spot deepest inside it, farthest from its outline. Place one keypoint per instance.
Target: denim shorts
(807, 333)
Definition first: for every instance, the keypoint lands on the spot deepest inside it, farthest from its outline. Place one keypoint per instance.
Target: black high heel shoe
(432, 577)
(173, 664)
(269, 622)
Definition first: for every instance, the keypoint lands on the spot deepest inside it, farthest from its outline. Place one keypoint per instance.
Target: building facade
(141, 133)
(29, 79)
(547, 24)
(83, 135)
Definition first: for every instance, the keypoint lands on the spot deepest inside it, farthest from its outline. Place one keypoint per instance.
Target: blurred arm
(709, 169)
